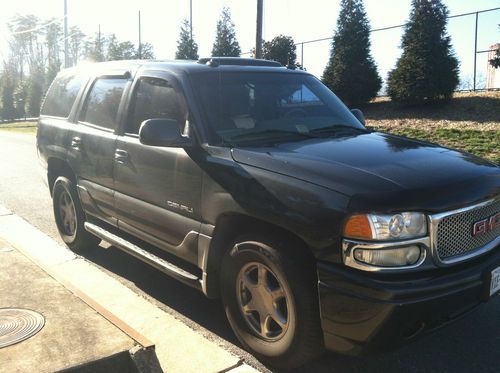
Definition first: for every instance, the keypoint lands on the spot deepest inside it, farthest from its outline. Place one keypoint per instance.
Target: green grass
(22, 127)
(485, 144)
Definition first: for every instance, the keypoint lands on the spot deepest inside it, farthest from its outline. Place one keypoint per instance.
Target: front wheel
(70, 217)
(269, 294)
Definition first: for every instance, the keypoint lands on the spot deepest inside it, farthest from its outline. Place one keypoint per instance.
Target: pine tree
(282, 49)
(94, 49)
(225, 44)
(147, 51)
(76, 44)
(427, 69)
(7, 89)
(20, 95)
(187, 49)
(351, 72)
(35, 90)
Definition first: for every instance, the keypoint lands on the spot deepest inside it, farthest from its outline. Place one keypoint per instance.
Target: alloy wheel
(264, 302)
(67, 213)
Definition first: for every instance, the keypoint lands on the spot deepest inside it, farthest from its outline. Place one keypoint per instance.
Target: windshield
(256, 106)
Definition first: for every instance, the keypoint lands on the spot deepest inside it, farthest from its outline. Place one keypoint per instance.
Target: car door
(157, 189)
(92, 144)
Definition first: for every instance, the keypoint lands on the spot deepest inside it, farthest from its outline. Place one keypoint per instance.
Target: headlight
(385, 227)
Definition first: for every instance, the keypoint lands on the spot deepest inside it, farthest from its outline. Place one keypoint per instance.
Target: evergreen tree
(187, 49)
(7, 89)
(225, 44)
(20, 95)
(147, 51)
(351, 72)
(281, 49)
(76, 45)
(53, 37)
(495, 61)
(35, 91)
(94, 49)
(427, 69)
(113, 51)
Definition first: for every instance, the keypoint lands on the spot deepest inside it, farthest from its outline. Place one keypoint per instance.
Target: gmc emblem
(486, 225)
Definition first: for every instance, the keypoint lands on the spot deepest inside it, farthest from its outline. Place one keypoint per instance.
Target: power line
(37, 27)
(404, 24)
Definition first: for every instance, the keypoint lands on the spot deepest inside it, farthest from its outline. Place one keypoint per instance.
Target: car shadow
(471, 344)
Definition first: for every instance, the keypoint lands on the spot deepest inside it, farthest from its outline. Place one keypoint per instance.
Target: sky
(303, 20)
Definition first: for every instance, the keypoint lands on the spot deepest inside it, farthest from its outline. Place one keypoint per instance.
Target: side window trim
(85, 95)
(130, 100)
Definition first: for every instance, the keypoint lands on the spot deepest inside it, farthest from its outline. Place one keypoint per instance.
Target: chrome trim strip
(348, 247)
(434, 221)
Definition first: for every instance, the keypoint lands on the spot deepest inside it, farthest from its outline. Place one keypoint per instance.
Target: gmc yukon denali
(254, 183)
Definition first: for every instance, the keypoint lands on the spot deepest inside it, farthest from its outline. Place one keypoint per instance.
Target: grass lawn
(23, 127)
(485, 144)
(469, 122)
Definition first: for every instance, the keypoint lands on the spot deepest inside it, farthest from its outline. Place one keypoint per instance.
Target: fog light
(397, 257)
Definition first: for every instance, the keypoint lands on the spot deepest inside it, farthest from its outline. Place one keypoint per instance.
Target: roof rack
(236, 61)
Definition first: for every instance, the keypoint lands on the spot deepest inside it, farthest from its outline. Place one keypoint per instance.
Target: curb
(167, 343)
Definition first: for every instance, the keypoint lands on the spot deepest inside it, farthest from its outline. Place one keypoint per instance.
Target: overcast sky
(303, 20)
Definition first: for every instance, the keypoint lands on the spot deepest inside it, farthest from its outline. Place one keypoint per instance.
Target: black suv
(253, 182)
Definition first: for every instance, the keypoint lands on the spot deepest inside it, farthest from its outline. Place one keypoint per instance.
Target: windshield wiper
(336, 127)
(256, 134)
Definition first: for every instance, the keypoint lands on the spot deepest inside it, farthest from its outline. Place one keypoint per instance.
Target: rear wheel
(269, 294)
(70, 217)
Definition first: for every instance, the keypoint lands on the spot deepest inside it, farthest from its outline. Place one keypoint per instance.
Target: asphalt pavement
(471, 344)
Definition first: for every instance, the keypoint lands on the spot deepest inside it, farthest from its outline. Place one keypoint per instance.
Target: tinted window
(102, 104)
(62, 95)
(268, 105)
(155, 98)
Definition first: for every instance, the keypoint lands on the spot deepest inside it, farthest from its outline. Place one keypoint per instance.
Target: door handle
(76, 143)
(121, 156)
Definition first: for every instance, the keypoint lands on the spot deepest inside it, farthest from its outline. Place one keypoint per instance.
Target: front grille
(454, 232)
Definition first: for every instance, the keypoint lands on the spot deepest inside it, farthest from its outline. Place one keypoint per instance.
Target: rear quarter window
(62, 95)
(101, 107)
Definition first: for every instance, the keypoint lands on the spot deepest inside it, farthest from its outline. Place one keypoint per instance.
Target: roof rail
(237, 61)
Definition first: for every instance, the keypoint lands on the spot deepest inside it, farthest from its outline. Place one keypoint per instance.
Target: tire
(292, 335)
(70, 217)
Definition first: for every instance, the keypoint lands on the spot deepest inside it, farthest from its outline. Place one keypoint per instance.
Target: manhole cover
(17, 324)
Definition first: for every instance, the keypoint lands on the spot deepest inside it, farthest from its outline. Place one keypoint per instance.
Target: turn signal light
(358, 226)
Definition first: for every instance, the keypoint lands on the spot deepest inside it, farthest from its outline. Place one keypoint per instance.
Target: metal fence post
(302, 55)
(475, 51)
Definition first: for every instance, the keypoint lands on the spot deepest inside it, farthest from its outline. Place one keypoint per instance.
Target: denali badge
(486, 225)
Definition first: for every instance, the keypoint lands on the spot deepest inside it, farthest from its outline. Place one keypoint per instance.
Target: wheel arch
(58, 167)
(230, 226)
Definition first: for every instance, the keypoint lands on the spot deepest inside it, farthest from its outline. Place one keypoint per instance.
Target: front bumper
(366, 312)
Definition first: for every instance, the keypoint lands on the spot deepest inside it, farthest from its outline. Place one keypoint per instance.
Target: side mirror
(162, 132)
(359, 116)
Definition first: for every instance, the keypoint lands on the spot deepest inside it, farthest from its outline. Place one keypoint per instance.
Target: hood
(372, 164)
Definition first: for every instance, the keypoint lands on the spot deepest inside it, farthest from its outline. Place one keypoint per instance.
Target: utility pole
(258, 34)
(66, 46)
(140, 43)
(191, 18)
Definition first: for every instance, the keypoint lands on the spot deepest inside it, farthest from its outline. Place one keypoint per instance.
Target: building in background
(493, 75)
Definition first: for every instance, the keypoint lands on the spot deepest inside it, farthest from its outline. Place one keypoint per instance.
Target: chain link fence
(475, 36)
